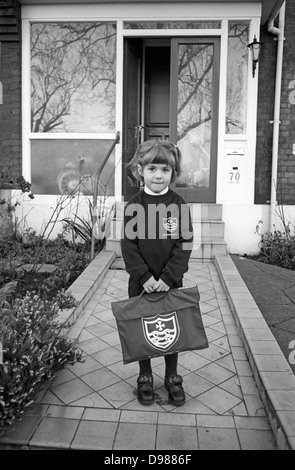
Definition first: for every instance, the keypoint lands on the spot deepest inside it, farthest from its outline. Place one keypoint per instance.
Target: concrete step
(209, 228)
(205, 249)
(205, 211)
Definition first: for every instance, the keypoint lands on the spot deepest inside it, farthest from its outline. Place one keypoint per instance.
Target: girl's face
(156, 176)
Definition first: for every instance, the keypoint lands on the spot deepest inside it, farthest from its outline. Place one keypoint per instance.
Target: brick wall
(10, 77)
(286, 168)
(267, 70)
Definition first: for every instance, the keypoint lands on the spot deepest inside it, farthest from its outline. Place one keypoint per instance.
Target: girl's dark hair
(156, 151)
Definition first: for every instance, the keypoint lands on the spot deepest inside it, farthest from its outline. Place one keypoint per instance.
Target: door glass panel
(237, 78)
(194, 113)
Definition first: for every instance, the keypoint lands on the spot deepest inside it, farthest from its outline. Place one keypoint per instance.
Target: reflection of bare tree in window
(194, 112)
(73, 69)
(237, 78)
(194, 87)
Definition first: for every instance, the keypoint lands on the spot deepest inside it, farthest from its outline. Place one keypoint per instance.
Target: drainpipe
(279, 32)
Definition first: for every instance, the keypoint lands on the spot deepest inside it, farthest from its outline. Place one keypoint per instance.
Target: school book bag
(160, 323)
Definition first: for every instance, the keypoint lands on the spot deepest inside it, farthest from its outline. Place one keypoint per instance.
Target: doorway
(171, 92)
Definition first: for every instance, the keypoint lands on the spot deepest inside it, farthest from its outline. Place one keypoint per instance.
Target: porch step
(208, 247)
(208, 231)
(212, 212)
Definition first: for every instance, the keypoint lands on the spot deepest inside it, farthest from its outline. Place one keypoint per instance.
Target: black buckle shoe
(145, 391)
(173, 384)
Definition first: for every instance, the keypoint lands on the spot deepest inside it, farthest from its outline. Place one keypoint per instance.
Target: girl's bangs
(160, 155)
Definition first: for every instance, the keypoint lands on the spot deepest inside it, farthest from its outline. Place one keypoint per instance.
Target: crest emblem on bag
(161, 331)
(170, 224)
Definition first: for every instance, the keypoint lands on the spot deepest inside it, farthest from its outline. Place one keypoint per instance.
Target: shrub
(35, 349)
(278, 247)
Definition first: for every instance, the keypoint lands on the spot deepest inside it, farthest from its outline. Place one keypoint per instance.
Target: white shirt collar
(148, 191)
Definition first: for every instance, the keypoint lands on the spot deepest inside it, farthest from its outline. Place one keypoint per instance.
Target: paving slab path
(93, 405)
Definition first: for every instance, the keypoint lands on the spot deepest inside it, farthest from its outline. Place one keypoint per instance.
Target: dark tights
(170, 362)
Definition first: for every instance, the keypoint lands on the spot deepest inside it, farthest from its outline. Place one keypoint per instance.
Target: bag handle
(148, 297)
(164, 293)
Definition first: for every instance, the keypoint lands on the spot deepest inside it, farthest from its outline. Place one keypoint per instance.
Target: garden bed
(47, 268)
(43, 289)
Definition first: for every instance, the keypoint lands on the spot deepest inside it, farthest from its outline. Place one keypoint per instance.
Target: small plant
(34, 351)
(5, 295)
(278, 247)
(82, 229)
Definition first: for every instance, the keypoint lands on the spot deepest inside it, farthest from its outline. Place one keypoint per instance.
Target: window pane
(172, 25)
(237, 72)
(194, 119)
(73, 77)
(68, 165)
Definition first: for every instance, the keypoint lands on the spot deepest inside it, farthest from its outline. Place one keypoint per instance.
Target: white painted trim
(243, 192)
(90, 12)
(252, 112)
(69, 136)
(119, 111)
(26, 99)
(222, 111)
(235, 137)
(170, 32)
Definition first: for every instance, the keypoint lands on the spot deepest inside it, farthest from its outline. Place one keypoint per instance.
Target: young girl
(156, 245)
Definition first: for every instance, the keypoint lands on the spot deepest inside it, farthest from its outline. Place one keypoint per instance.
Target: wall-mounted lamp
(255, 48)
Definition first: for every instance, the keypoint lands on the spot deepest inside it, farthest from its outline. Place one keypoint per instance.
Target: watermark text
(157, 222)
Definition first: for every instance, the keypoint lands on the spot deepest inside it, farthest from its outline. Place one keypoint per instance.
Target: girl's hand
(161, 286)
(149, 285)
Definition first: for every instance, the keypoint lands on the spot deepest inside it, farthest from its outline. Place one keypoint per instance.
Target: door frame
(189, 194)
(122, 34)
(132, 98)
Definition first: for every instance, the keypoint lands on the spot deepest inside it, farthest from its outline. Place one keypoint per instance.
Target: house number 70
(234, 176)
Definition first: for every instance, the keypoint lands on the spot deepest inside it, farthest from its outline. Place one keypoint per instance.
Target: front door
(177, 100)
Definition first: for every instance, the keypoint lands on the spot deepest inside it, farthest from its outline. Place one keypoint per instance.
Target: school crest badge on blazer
(161, 331)
(170, 224)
